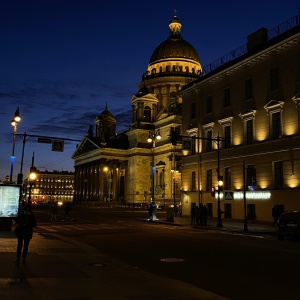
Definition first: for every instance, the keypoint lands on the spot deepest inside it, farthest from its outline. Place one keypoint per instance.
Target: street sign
(44, 140)
(228, 195)
(58, 145)
(187, 144)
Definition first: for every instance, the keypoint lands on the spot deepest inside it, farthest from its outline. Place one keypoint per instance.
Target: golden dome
(174, 54)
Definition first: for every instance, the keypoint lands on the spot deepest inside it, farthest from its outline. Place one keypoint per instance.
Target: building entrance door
(227, 210)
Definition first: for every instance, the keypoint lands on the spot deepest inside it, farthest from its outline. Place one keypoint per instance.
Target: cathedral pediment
(86, 145)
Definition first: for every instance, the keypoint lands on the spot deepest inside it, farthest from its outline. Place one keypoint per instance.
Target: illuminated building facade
(117, 168)
(250, 100)
(51, 186)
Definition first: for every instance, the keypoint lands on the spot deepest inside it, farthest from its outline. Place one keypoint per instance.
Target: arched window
(147, 114)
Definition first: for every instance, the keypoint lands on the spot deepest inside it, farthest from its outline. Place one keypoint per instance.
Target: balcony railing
(272, 33)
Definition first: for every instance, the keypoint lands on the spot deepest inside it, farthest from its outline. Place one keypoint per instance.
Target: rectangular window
(193, 146)
(276, 126)
(209, 141)
(208, 180)
(278, 175)
(248, 89)
(227, 179)
(227, 137)
(193, 110)
(249, 132)
(227, 97)
(193, 181)
(209, 107)
(274, 77)
(250, 176)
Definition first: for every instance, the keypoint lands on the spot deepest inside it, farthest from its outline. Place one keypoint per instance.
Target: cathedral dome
(174, 54)
(172, 48)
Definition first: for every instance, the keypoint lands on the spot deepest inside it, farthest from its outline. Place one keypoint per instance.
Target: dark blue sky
(61, 61)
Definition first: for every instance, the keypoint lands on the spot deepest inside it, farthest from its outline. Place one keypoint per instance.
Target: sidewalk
(235, 226)
(59, 268)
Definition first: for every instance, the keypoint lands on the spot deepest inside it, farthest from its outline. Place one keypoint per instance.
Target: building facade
(124, 168)
(241, 124)
(49, 187)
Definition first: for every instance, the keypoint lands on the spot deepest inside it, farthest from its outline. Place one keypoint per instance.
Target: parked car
(289, 225)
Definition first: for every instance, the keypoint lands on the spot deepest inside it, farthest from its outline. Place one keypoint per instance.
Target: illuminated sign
(9, 200)
(237, 195)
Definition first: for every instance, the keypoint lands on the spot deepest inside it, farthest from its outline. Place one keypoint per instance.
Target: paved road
(222, 261)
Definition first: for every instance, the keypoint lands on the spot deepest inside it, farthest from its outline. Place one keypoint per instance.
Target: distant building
(250, 101)
(56, 186)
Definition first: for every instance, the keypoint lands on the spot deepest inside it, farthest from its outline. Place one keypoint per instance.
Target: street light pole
(174, 182)
(31, 178)
(153, 134)
(220, 185)
(14, 123)
(20, 175)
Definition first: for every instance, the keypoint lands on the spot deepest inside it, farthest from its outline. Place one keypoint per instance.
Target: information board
(9, 200)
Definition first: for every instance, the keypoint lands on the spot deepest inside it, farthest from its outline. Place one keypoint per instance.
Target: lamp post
(220, 186)
(153, 135)
(17, 118)
(31, 178)
(20, 175)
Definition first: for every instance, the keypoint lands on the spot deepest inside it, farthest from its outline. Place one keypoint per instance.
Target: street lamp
(31, 178)
(153, 135)
(17, 118)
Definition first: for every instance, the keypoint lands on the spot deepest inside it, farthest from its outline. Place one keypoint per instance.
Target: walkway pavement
(236, 226)
(60, 268)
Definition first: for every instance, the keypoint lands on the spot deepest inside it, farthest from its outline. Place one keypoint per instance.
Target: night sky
(62, 61)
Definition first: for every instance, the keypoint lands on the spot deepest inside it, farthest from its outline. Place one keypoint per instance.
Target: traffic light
(213, 191)
(174, 137)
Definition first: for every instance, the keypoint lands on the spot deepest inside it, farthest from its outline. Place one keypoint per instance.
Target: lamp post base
(152, 215)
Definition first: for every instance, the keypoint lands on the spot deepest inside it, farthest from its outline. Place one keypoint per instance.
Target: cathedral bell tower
(105, 125)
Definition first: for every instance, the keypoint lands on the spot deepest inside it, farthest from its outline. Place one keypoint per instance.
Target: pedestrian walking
(54, 213)
(201, 213)
(275, 215)
(151, 208)
(197, 215)
(205, 213)
(25, 223)
(193, 214)
(67, 212)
